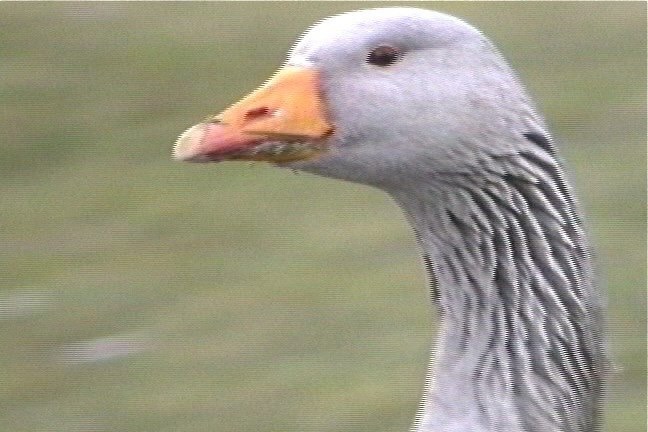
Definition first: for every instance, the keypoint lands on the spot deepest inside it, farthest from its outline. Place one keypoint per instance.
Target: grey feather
(452, 136)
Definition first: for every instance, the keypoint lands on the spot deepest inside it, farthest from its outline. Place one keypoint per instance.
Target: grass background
(137, 294)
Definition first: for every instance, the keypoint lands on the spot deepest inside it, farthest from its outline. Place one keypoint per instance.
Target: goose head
(422, 105)
(380, 96)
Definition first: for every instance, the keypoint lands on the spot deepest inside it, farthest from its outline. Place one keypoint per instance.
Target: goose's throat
(520, 342)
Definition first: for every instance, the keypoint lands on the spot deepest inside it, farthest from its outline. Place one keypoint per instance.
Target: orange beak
(282, 121)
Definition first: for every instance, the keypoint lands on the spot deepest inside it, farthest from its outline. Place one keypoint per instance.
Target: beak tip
(187, 146)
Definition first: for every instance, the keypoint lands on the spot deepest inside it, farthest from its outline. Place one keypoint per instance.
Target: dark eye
(384, 55)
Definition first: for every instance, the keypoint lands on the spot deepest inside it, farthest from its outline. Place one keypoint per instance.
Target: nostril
(257, 113)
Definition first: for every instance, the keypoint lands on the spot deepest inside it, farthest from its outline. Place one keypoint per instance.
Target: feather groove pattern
(514, 277)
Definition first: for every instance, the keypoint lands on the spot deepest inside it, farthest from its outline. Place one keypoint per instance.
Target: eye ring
(384, 55)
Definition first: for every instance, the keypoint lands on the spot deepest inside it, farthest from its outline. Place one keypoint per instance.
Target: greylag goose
(423, 106)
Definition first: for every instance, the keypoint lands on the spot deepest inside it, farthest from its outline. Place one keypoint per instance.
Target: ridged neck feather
(520, 345)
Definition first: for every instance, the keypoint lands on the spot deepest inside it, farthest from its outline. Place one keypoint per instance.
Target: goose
(423, 106)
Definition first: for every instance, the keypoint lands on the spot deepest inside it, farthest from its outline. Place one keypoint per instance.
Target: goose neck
(519, 345)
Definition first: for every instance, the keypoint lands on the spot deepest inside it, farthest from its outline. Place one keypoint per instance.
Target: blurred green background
(139, 294)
